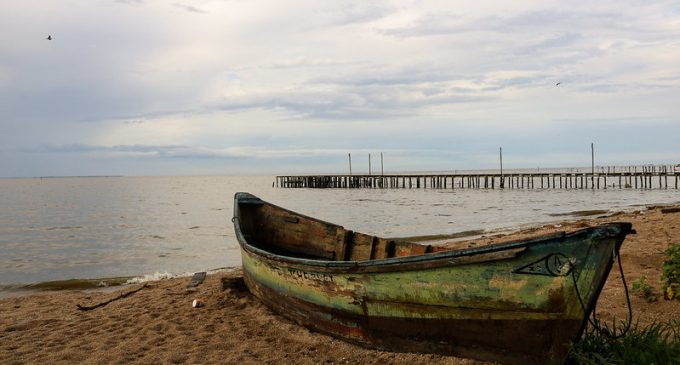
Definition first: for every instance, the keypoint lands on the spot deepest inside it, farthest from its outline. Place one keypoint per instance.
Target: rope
(595, 322)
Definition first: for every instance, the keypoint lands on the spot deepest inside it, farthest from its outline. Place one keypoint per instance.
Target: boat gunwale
(388, 264)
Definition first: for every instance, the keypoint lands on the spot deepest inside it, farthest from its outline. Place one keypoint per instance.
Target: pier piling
(631, 179)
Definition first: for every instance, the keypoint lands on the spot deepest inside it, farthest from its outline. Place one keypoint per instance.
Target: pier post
(369, 164)
(382, 167)
(350, 163)
(592, 168)
(501, 156)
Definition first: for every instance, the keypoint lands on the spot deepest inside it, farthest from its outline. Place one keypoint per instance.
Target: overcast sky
(150, 87)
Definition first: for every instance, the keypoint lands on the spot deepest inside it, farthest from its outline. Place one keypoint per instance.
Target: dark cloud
(668, 78)
(134, 121)
(433, 24)
(189, 8)
(551, 42)
(364, 100)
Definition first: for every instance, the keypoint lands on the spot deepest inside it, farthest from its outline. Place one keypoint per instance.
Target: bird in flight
(49, 37)
(558, 84)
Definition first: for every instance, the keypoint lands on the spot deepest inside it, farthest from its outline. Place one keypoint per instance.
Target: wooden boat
(512, 303)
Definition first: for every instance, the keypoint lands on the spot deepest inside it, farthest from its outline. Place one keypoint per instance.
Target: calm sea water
(63, 228)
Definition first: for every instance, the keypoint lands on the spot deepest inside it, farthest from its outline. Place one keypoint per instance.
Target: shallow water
(64, 228)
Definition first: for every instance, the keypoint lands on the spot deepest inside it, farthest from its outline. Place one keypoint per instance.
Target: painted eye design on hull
(554, 264)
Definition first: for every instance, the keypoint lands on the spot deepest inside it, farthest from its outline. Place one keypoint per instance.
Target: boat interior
(287, 233)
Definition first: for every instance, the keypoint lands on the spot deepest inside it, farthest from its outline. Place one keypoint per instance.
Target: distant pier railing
(542, 180)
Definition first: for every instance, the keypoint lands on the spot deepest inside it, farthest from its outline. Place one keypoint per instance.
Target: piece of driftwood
(124, 295)
(670, 210)
(197, 279)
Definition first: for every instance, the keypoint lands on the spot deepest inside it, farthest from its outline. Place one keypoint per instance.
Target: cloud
(306, 62)
(455, 24)
(356, 12)
(551, 43)
(131, 150)
(130, 2)
(312, 79)
(188, 152)
(134, 121)
(189, 8)
(351, 102)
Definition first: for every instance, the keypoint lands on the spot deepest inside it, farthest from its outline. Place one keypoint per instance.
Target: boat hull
(515, 304)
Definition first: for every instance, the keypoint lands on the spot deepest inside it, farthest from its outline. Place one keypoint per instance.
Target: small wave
(7, 290)
(78, 284)
(156, 277)
(580, 213)
(62, 228)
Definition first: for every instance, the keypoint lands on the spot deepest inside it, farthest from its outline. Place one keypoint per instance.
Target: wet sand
(158, 324)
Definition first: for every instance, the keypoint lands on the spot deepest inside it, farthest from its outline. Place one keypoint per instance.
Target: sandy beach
(158, 324)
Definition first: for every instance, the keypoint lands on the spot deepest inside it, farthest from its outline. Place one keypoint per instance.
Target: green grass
(671, 272)
(644, 290)
(655, 344)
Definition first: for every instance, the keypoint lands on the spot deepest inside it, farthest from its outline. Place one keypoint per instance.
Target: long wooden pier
(542, 180)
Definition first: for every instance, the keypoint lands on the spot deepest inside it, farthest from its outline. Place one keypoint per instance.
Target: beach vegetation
(670, 275)
(644, 290)
(656, 343)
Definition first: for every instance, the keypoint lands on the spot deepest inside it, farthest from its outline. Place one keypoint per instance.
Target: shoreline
(159, 325)
(96, 284)
(10, 290)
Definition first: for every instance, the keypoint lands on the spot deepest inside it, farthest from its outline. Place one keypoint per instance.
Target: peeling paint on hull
(512, 303)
